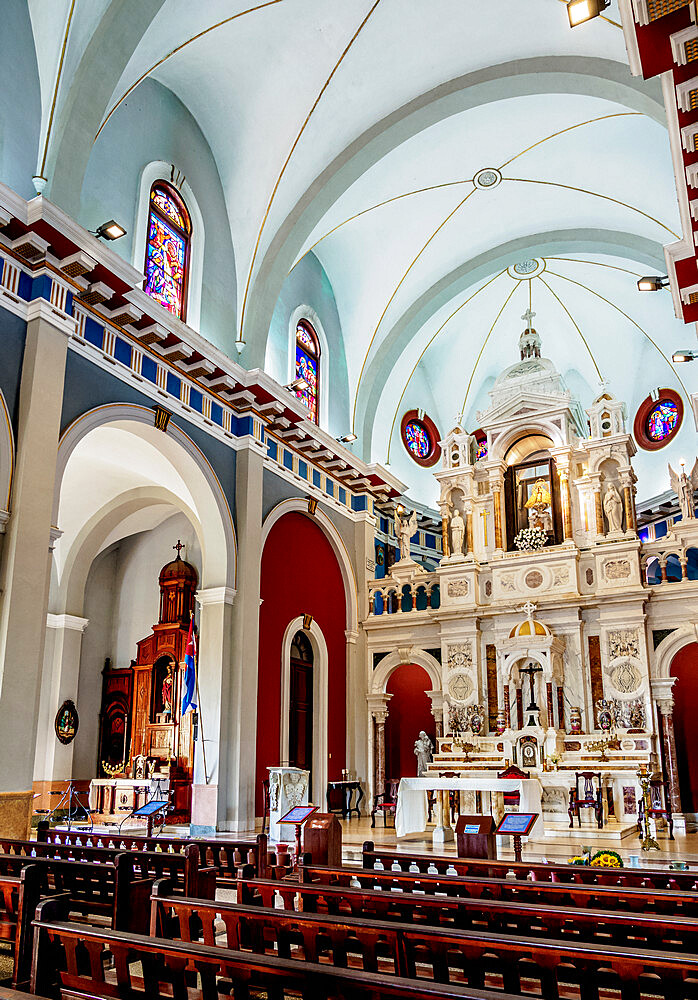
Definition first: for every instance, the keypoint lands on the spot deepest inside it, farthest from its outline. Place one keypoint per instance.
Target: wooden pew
(224, 855)
(517, 964)
(92, 964)
(183, 868)
(638, 930)
(645, 878)
(661, 901)
(19, 897)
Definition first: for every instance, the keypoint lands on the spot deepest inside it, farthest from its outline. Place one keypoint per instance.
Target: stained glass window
(481, 449)
(417, 439)
(662, 419)
(167, 249)
(308, 367)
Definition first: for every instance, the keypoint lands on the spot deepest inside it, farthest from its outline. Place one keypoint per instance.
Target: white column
(26, 561)
(239, 681)
(215, 641)
(60, 680)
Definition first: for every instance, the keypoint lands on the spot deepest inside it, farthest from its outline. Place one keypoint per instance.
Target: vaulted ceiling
(419, 151)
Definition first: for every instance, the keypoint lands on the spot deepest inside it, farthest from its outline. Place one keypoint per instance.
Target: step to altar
(587, 834)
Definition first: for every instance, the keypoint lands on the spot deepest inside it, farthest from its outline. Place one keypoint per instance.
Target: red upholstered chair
(386, 801)
(511, 800)
(660, 804)
(586, 798)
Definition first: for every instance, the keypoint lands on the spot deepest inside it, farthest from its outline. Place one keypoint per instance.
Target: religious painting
(67, 722)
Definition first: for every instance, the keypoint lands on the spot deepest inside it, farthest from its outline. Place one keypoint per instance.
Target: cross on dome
(179, 548)
(528, 317)
(528, 608)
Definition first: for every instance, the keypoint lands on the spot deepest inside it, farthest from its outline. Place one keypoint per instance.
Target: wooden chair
(588, 798)
(265, 812)
(660, 804)
(386, 801)
(453, 797)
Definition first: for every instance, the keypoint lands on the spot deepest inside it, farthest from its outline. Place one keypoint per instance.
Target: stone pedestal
(288, 787)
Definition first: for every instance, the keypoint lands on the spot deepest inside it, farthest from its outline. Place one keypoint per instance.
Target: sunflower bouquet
(606, 859)
(579, 859)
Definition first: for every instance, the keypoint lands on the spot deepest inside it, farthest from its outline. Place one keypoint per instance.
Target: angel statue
(684, 486)
(404, 529)
(424, 750)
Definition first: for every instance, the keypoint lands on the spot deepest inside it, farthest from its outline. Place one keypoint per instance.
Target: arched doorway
(684, 667)
(300, 710)
(409, 711)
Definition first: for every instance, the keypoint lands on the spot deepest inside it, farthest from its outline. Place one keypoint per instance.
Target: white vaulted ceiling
(353, 130)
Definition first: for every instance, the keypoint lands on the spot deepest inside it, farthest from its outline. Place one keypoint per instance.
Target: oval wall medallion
(67, 722)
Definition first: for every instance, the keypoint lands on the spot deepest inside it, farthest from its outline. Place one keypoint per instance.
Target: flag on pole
(190, 670)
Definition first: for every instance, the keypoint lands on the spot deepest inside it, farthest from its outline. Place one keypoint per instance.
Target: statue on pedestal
(685, 486)
(613, 509)
(457, 533)
(424, 751)
(404, 529)
(166, 691)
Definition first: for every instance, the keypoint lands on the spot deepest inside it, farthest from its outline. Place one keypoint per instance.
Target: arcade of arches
(312, 445)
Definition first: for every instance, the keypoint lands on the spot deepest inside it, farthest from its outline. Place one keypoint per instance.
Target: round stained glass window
(417, 439)
(662, 420)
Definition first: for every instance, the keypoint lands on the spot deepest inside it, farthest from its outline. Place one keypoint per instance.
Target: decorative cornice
(215, 595)
(71, 622)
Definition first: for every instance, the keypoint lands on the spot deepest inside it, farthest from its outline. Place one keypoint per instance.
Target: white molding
(320, 699)
(678, 43)
(43, 310)
(7, 460)
(72, 622)
(683, 91)
(393, 660)
(215, 595)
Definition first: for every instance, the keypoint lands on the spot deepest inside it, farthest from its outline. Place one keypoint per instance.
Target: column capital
(4, 518)
(662, 692)
(437, 701)
(72, 622)
(42, 310)
(378, 705)
(351, 635)
(215, 595)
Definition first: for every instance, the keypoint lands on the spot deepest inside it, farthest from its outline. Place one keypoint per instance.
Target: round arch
(217, 531)
(320, 697)
(662, 657)
(504, 442)
(300, 505)
(390, 663)
(7, 457)
(518, 78)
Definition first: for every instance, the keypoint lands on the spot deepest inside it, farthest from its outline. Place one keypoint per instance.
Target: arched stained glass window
(167, 249)
(308, 367)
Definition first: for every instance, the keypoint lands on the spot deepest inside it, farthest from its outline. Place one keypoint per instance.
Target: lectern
(475, 837)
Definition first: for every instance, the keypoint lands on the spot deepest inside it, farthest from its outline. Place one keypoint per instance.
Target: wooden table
(346, 787)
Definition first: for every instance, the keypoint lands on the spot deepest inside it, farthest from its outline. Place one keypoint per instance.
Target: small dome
(178, 569)
(528, 627)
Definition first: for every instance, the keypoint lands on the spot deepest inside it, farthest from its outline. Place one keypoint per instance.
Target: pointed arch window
(167, 248)
(308, 367)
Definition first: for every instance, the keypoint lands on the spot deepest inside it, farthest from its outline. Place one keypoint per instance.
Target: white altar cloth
(411, 812)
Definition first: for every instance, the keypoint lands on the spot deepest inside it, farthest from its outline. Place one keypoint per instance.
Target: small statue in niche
(424, 751)
(404, 529)
(166, 690)
(685, 486)
(613, 508)
(457, 532)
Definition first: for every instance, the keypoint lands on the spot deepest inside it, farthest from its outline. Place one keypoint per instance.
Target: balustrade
(388, 597)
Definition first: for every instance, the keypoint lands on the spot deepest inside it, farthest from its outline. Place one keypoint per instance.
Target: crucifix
(531, 670)
(528, 317)
(179, 548)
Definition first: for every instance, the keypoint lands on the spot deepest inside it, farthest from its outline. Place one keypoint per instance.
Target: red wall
(409, 710)
(300, 575)
(684, 667)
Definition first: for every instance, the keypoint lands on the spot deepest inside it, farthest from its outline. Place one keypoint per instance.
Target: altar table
(411, 812)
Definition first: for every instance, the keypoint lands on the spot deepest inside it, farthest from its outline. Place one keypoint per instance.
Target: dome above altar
(529, 627)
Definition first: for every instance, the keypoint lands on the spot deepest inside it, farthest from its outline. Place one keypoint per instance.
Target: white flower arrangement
(530, 539)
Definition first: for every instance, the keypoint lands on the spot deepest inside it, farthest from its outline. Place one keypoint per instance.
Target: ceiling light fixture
(347, 439)
(579, 11)
(298, 385)
(110, 231)
(652, 283)
(685, 355)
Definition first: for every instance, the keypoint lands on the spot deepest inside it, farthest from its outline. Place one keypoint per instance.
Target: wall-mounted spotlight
(298, 385)
(579, 11)
(110, 231)
(347, 439)
(652, 283)
(685, 355)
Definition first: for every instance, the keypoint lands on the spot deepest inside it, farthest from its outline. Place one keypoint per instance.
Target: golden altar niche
(144, 737)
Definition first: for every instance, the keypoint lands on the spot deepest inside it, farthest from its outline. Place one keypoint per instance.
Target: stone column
(215, 642)
(497, 496)
(598, 509)
(662, 566)
(378, 709)
(683, 559)
(507, 705)
(24, 583)
(664, 695)
(560, 709)
(236, 787)
(444, 530)
(61, 675)
(566, 504)
(551, 712)
(469, 544)
(629, 508)
(437, 710)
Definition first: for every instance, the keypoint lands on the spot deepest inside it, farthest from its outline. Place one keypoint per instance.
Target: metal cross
(528, 316)
(179, 547)
(528, 608)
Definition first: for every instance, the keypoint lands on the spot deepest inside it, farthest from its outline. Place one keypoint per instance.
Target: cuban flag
(190, 670)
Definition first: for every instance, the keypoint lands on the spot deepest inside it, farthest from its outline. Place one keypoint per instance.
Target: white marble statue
(404, 529)
(457, 532)
(424, 751)
(685, 486)
(613, 508)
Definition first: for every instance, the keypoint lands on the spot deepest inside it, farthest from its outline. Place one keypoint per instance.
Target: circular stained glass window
(417, 439)
(662, 419)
